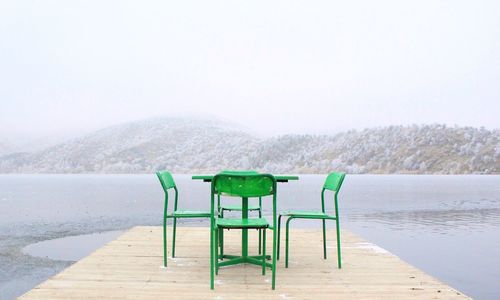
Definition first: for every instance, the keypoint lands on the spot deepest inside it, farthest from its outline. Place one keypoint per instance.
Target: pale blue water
(448, 226)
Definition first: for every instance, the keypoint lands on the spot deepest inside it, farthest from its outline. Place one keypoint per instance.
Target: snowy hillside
(192, 146)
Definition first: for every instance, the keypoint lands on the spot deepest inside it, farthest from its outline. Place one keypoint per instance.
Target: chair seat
(189, 214)
(306, 214)
(242, 223)
(239, 207)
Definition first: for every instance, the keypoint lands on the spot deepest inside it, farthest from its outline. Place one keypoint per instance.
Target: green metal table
(244, 257)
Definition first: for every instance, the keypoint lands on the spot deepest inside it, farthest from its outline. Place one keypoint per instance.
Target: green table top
(279, 178)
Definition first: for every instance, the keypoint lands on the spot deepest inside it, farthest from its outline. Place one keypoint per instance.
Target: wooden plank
(130, 267)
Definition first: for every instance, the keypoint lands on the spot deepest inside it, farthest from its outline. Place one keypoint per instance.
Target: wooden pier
(130, 267)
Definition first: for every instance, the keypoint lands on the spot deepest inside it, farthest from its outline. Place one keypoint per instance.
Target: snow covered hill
(192, 146)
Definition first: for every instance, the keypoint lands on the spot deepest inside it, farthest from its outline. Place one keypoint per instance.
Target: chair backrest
(243, 184)
(166, 180)
(334, 181)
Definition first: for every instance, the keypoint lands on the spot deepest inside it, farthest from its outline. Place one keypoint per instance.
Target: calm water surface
(448, 226)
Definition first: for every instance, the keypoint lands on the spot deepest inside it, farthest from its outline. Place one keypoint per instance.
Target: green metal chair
(167, 182)
(225, 207)
(243, 186)
(333, 183)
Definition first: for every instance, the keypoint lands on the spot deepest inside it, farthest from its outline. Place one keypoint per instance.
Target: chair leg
(263, 251)
(324, 239)
(260, 234)
(274, 259)
(173, 238)
(287, 235)
(220, 233)
(260, 241)
(222, 238)
(222, 243)
(279, 233)
(165, 242)
(211, 257)
(339, 257)
(216, 252)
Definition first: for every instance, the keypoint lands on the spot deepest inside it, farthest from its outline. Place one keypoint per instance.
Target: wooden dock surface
(130, 267)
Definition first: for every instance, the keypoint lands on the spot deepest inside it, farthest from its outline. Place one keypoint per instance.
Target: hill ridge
(189, 146)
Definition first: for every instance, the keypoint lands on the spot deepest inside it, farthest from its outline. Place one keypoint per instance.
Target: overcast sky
(272, 66)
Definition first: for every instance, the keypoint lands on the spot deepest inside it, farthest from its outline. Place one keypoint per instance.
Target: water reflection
(436, 221)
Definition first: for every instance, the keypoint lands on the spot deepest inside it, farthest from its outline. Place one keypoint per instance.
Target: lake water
(447, 226)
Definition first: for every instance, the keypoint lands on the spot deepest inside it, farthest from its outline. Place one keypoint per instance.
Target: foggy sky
(272, 66)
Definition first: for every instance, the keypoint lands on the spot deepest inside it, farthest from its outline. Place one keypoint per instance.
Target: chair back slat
(238, 184)
(242, 172)
(166, 180)
(334, 181)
